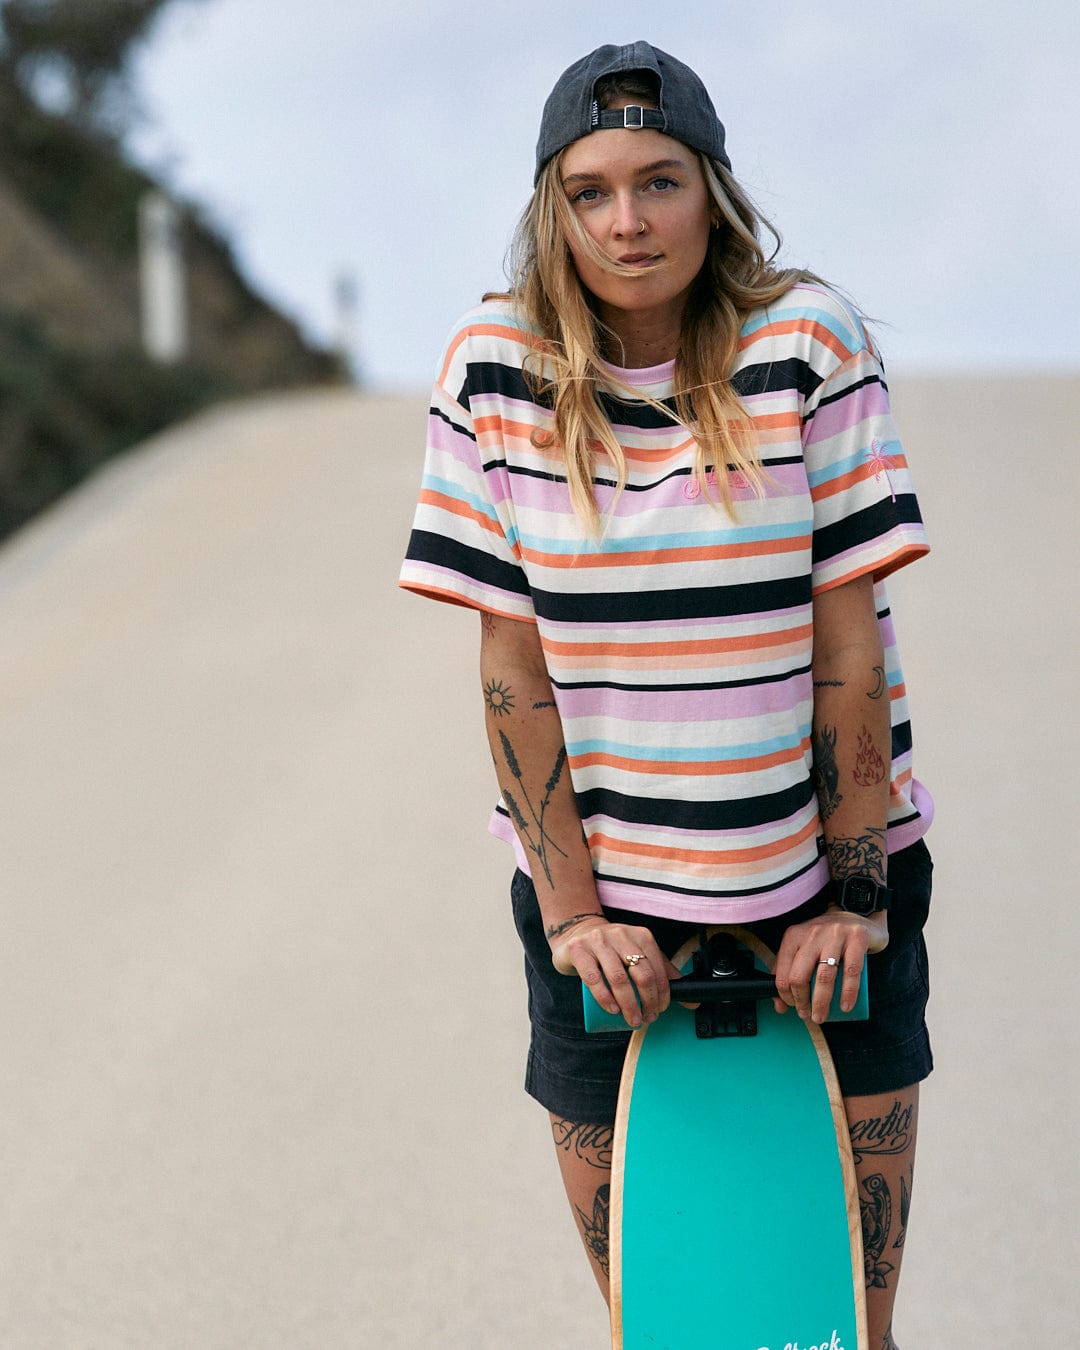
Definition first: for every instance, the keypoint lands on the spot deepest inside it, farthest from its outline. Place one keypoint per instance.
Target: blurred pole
(161, 275)
(347, 311)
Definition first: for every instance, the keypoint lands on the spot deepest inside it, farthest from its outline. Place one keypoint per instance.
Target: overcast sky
(922, 155)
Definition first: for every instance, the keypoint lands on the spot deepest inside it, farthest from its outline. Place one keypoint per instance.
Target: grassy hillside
(74, 385)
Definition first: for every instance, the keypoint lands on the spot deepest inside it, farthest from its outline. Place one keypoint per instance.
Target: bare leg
(584, 1153)
(883, 1130)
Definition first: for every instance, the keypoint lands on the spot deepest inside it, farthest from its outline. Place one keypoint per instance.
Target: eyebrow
(645, 168)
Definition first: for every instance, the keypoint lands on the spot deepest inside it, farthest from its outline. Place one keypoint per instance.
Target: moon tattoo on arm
(882, 683)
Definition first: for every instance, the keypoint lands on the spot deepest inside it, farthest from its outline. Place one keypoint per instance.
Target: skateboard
(734, 1206)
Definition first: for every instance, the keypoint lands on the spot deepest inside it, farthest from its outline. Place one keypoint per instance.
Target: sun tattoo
(499, 698)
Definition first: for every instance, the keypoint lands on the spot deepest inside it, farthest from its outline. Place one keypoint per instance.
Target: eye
(585, 196)
(663, 184)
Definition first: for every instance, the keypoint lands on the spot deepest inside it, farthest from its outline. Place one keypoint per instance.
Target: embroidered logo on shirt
(881, 462)
(736, 481)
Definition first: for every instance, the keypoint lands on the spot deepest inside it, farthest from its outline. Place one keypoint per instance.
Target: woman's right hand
(597, 951)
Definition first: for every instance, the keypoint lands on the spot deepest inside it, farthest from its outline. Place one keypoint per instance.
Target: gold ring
(634, 959)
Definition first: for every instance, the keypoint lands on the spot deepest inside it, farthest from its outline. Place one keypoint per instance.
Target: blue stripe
(679, 754)
(852, 341)
(660, 542)
(861, 459)
(446, 488)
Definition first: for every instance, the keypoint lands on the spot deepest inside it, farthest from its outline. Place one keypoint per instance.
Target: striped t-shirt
(679, 645)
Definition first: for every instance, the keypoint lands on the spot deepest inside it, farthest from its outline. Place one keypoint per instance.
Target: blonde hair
(566, 367)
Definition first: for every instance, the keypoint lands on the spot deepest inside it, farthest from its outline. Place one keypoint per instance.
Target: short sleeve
(866, 517)
(463, 547)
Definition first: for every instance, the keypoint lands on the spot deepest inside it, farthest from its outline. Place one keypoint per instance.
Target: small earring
(643, 227)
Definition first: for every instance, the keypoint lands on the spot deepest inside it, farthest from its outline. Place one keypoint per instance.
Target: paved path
(244, 795)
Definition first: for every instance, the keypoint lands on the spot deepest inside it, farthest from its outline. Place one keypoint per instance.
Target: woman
(665, 473)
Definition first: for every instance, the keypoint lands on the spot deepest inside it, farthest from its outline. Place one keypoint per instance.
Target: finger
(824, 985)
(800, 977)
(854, 956)
(624, 990)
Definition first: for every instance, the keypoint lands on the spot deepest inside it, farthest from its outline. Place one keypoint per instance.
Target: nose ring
(643, 227)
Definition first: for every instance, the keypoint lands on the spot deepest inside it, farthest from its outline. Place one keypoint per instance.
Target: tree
(75, 52)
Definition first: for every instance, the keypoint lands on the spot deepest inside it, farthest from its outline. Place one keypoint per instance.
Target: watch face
(860, 895)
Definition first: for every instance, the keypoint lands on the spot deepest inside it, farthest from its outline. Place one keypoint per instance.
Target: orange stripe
(466, 602)
(487, 330)
(847, 480)
(456, 507)
(743, 642)
(758, 548)
(906, 553)
(706, 857)
(692, 769)
(817, 331)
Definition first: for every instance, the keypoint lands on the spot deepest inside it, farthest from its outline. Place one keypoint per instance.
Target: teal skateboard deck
(734, 1207)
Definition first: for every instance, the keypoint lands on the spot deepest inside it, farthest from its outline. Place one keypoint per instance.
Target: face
(642, 200)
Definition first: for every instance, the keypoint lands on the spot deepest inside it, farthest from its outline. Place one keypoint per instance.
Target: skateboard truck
(726, 985)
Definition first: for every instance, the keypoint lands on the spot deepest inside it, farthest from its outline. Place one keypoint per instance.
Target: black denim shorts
(577, 1075)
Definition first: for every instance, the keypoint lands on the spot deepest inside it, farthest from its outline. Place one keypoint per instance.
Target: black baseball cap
(686, 111)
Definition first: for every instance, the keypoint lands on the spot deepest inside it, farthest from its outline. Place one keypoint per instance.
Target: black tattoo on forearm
(499, 697)
(869, 766)
(825, 771)
(864, 856)
(594, 1230)
(591, 1143)
(882, 1136)
(546, 703)
(558, 929)
(828, 684)
(881, 686)
(875, 1208)
(888, 1343)
(541, 843)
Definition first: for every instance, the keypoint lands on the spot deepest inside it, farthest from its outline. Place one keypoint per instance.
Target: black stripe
(496, 377)
(774, 377)
(772, 463)
(698, 602)
(456, 426)
(708, 893)
(470, 562)
(738, 814)
(864, 527)
(847, 390)
(778, 678)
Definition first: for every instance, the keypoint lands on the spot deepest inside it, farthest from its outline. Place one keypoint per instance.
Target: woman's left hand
(805, 952)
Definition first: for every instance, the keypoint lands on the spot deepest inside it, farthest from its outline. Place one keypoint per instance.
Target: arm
(852, 752)
(526, 739)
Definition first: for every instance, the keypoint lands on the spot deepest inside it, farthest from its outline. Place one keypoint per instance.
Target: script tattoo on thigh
(594, 1230)
(882, 1136)
(591, 1143)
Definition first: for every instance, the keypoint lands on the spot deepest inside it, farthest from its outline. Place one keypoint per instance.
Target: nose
(627, 221)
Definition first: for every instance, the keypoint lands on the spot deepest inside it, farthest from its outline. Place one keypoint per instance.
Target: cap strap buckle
(633, 117)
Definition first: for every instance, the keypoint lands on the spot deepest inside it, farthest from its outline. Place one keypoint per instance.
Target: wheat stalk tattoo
(540, 844)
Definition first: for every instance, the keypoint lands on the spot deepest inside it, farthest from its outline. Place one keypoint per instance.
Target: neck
(641, 340)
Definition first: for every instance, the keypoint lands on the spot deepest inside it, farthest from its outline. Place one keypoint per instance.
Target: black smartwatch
(860, 895)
